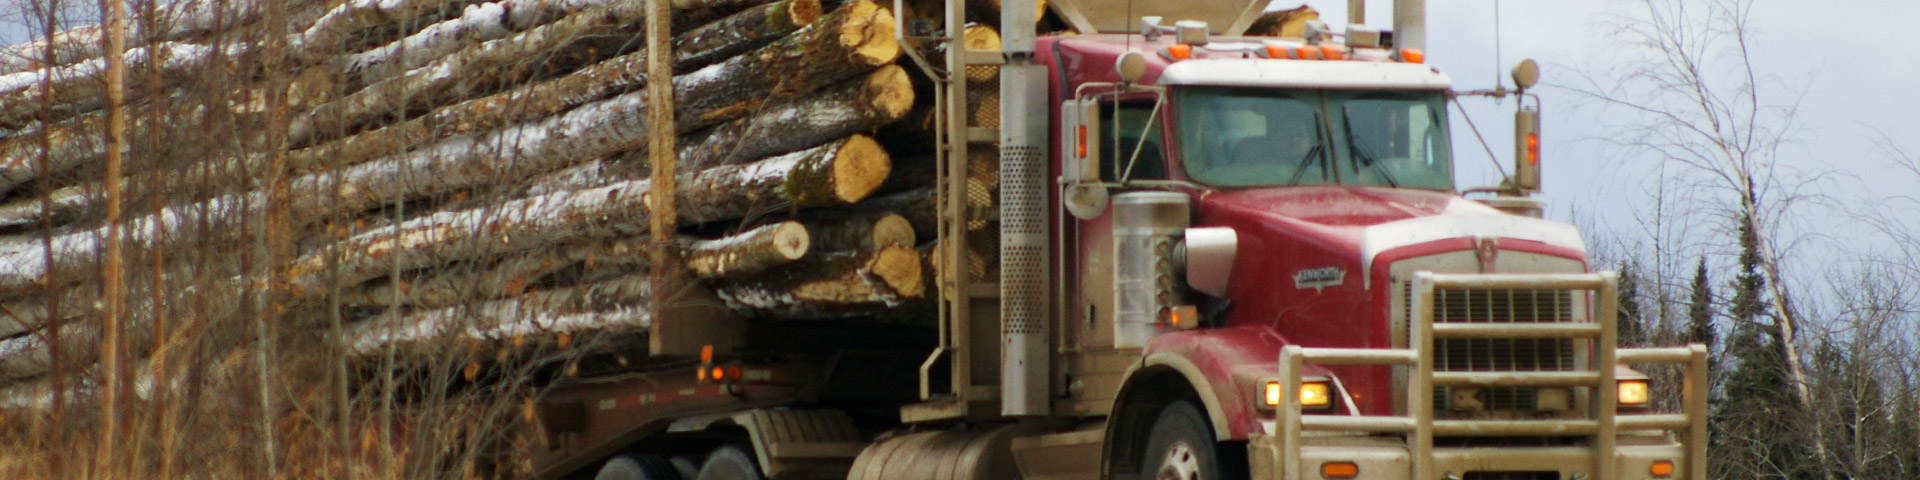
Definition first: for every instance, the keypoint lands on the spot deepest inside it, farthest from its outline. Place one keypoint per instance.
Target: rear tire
(731, 462)
(1181, 447)
(637, 466)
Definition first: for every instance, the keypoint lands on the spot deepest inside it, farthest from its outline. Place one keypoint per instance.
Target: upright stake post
(112, 291)
(660, 154)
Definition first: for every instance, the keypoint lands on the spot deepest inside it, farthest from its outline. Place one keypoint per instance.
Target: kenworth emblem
(1488, 250)
(1319, 278)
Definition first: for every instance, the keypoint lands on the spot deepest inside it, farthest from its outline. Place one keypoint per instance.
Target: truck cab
(1247, 256)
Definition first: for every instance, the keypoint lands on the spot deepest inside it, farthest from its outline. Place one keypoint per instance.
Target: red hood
(1336, 219)
(1337, 207)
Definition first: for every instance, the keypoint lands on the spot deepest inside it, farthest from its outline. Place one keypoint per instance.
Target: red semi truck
(1219, 257)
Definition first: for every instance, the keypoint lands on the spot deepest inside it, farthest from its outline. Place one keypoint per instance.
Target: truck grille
(1500, 354)
(1503, 354)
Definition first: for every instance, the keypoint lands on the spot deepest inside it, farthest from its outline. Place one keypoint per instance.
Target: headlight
(1314, 394)
(1633, 393)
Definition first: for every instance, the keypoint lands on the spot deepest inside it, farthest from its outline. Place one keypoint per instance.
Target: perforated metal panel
(1023, 236)
(1024, 286)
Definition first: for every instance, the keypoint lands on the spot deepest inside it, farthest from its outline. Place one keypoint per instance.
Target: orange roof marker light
(1180, 51)
(1412, 55)
(1332, 52)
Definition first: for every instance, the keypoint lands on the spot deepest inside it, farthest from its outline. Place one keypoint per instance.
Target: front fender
(1224, 367)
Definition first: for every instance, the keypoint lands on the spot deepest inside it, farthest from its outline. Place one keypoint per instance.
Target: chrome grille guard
(1601, 423)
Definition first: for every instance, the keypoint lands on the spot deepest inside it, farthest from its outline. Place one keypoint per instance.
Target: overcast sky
(1850, 59)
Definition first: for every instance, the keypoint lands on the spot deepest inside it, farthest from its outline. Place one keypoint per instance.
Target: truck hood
(1340, 207)
(1361, 222)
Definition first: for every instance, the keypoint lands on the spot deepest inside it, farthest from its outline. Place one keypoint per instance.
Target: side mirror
(1085, 196)
(1131, 66)
(1526, 74)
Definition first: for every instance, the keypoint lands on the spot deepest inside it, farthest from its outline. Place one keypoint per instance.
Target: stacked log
(469, 169)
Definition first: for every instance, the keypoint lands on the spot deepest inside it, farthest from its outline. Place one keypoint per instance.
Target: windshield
(1242, 137)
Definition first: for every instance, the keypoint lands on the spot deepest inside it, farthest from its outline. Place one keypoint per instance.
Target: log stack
(428, 171)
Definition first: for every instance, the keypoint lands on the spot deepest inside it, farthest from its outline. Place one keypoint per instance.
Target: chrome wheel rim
(1179, 464)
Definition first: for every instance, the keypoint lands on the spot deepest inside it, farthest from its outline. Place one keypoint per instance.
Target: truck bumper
(1383, 457)
(1388, 458)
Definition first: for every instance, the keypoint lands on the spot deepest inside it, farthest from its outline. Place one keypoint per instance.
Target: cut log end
(980, 37)
(803, 12)
(892, 229)
(869, 31)
(790, 240)
(859, 168)
(889, 93)
(898, 267)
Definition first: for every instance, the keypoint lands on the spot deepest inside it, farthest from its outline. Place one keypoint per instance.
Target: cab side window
(1137, 129)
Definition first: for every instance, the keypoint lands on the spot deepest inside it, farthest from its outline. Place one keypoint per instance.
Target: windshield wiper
(1301, 169)
(1360, 155)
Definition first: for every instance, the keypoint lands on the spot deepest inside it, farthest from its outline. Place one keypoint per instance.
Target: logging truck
(1174, 240)
(1207, 255)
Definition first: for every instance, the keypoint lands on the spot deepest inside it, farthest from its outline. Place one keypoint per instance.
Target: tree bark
(834, 285)
(858, 105)
(853, 230)
(825, 175)
(748, 252)
(741, 32)
(77, 88)
(76, 141)
(919, 206)
(616, 303)
(529, 102)
(476, 23)
(61, 207)
(464, 73)
(841, 172)
(854, 39)
(330, 33)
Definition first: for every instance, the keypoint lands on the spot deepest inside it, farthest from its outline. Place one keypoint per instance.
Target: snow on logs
(838, 173)
(604, 128)
(841, 284)
(776, 104)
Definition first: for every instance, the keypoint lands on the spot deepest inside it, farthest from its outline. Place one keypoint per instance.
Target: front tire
(1181, 446)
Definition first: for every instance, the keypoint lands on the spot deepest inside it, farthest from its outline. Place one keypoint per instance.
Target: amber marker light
(1080, 147)
(1533, 149)
(1661, 468)
(1331, 52)
(1633, 393)
(1270, 394)
(1413, 55)
(1339, 470)
(1315, 394)
(1180, 51)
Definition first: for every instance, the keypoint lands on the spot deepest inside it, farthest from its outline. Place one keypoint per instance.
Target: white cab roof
(1316, 74)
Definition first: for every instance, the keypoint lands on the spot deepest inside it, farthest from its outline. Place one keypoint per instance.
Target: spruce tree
(1630, 324)
(1700, 308)
(1759, 424)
